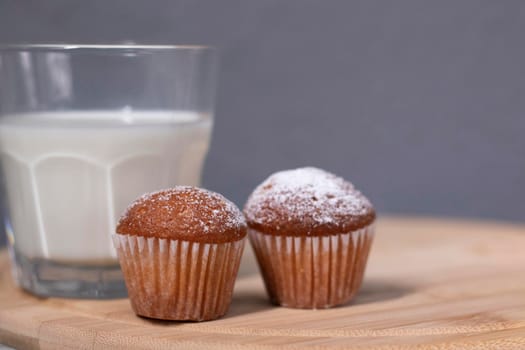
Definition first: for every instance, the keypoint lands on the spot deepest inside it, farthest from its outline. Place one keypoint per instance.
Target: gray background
(419, 103)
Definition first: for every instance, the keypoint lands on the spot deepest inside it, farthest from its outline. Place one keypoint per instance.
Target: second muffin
(180, 250)
(311, 232)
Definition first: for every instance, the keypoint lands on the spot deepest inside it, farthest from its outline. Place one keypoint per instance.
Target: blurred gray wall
(420, 103)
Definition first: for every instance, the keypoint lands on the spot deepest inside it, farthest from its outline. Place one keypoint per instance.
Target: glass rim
(103, 47)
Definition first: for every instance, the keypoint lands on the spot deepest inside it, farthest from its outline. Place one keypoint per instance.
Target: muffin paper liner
(312, 272)
(178, 280)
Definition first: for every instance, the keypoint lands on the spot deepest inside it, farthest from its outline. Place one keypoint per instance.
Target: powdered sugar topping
(194, 210)
(305, 194)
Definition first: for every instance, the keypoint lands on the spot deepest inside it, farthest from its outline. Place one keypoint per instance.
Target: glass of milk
(84, 130)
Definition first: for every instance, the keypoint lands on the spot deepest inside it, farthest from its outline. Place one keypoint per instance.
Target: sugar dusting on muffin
(184, 212)
(307, 198)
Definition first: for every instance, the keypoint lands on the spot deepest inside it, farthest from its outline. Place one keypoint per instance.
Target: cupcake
(180, 250)
(311, 232)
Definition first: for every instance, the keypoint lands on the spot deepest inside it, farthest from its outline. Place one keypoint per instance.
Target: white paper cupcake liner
(312, 272)
(178, 280)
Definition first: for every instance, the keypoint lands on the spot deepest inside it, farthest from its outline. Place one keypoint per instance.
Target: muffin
(311, 232)
(180, 250)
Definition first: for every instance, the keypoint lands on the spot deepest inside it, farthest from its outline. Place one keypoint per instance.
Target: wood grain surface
(430, 284)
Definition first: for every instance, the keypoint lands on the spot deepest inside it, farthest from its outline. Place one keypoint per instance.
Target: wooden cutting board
(430, 284)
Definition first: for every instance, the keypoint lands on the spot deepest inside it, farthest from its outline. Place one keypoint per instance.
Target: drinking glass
(84, 130)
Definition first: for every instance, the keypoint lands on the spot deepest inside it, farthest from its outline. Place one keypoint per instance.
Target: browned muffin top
(307, 201)
(185, 213)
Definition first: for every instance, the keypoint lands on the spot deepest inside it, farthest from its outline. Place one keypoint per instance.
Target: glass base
(52, 279)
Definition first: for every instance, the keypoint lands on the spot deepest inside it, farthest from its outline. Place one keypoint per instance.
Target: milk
(70, 175)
